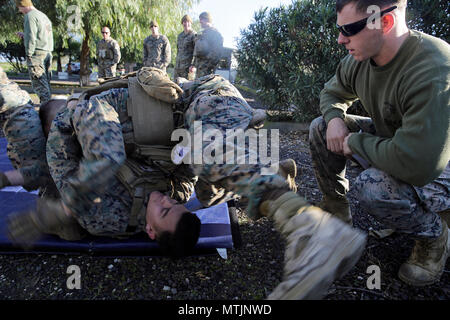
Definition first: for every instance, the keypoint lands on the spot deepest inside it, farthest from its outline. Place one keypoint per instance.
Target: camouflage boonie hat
(205, 15)
(153, 23)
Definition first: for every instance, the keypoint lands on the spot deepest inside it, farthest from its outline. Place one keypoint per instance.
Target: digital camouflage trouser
(181, 72)
(39, 70)
(107, 71)
(26, 140)
(26, 147)
(398, 205)
(228, 112)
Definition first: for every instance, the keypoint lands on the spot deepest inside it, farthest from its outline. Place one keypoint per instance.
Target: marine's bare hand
(336, 133)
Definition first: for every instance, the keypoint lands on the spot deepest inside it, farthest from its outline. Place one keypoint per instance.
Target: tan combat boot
(288, 170)
(339, 207)
(427, 261)
(320, 248)
(4, 182)
(49, 217)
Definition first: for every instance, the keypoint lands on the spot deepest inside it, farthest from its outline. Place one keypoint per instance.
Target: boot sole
(419, 284)
(311, 288)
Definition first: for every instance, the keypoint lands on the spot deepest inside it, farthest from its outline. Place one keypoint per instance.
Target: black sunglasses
(105, 32)
(351, 29)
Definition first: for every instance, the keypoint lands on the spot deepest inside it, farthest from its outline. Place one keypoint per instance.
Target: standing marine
(208, 48)
(185, 48)
(38, 41)
(108, 55)
(157, 52)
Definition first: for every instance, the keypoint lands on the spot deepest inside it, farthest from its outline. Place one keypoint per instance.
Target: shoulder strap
(139, 182)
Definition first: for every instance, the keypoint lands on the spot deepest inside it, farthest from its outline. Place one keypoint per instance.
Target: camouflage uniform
(185, 54)
(38, 41)
(108, 56)
(157, 52)
(85, 149)
(23, 130)
(219, 105)
(207, 51)
(398, 205)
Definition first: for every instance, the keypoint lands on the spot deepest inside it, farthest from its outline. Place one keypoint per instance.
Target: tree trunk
(58, 62)
(84, 58)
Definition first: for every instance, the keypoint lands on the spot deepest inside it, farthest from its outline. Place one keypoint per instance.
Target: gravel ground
(250, 272)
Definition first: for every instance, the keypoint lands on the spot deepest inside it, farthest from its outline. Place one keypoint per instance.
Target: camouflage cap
(186, 17)
(206, 16)
(153, 23)
(24, 3)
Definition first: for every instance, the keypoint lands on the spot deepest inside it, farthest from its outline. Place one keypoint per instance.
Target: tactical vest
(152, 108)
(105, 51)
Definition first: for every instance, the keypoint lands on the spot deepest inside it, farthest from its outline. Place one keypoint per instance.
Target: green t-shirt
(38, 32)
(408, 101)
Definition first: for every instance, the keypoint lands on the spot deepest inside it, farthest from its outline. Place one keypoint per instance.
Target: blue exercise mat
(215, 232)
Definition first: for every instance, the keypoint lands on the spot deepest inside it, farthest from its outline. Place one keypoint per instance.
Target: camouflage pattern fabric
(107, 72)
(398, 205)
(207, 52)
(108, 56)
(219, 106)
(157, 52)
(403, 207)
(85, 149)
(39, 70)
(185, 54)
(23, 130)
(96, 125)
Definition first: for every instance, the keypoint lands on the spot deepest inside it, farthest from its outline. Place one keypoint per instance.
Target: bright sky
(230, 16)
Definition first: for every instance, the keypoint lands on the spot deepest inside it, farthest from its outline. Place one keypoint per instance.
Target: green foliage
(11, 21)
(288, 53)
(430, 16)
(15, 55)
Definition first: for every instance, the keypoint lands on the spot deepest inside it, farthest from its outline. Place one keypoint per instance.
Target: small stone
(110, 266)
(166, 288)
(174, 291)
